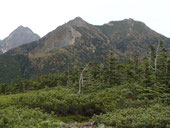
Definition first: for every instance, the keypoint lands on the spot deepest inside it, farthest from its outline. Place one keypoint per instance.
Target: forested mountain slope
(77, 43)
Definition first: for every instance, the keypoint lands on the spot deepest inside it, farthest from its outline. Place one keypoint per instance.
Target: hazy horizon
(43, 16)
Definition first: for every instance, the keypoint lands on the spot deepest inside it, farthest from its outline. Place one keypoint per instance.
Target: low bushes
(12, 117)
(156, 116)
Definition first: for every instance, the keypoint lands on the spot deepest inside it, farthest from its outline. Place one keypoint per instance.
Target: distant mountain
(18, 37)
(78, 42)
(0, 47)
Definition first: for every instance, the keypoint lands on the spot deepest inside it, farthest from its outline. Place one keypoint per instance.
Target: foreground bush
(62, 102)
(156, 116)
(65, 102)
(13, 117)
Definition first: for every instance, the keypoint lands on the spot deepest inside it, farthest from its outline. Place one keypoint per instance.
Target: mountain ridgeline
(77, 43)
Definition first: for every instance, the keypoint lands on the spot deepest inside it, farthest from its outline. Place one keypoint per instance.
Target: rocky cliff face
(21, 35)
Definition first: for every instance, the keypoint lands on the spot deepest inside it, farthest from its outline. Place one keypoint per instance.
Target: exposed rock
(88, 125)
(62, 124)
(102, 126)
(79, 22)
(21, 35)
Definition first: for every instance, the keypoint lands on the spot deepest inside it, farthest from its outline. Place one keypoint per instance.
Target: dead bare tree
(81, 79)
(156, 55)
(155, 59)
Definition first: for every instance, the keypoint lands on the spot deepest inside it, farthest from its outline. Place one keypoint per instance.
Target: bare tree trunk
(156, 55)
(156, 58)
(81, 79)
(80, 83)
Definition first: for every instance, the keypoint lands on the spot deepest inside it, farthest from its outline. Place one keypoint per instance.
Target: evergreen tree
(112, 70)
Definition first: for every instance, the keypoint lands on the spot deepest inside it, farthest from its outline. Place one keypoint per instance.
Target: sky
(43, 16)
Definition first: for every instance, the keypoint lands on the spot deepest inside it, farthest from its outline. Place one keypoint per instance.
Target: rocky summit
(21, 35)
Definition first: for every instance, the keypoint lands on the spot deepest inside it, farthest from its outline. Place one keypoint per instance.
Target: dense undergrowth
(112, 106)
(13, 117)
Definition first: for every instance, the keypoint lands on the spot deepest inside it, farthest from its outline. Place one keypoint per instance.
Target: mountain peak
(23, 28)
(79, 22)
(78, 19)
(19, 36)
(20, 27)
(130, 19)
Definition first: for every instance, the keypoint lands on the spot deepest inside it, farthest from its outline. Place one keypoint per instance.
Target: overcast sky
(43, 16)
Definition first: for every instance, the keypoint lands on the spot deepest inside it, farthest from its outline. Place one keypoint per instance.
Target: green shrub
(157, 116)
(75, 118)
(12, 117)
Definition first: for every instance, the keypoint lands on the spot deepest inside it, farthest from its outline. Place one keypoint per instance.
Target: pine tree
(112, 70)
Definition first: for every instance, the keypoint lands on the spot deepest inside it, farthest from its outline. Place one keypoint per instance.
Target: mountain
(0, 47)
(78, 42)
(64, 35)
(131, 36)
(19, 36)
(124, 36)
